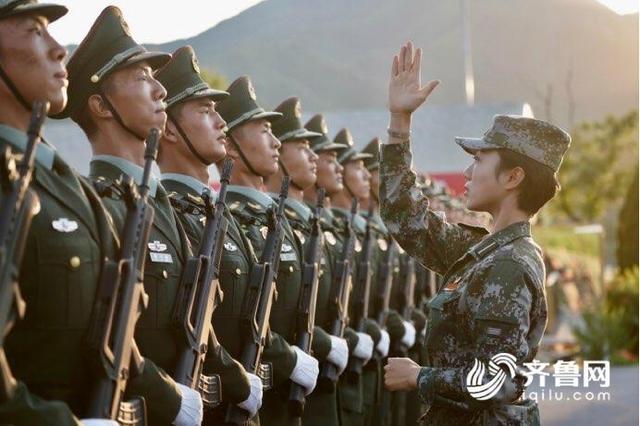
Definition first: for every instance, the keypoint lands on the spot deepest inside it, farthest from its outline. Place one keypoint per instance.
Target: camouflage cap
(242, 105)
(321, 143)
(536, 139)
(106, 48)
(349, 154)
(51, 11)
(181, 77)
(373, 148)
(289, 126)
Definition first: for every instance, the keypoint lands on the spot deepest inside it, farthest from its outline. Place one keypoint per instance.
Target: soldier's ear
(513, 177)
(170, 133)
(98, 107)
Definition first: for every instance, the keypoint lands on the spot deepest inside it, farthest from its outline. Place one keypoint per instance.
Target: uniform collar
(504, 236)
(18, 139)
(189, 181)
(359, 222)
(300, 208)
(258, 196)
(128, 168)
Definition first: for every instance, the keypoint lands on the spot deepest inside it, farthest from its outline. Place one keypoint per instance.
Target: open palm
(405, 91)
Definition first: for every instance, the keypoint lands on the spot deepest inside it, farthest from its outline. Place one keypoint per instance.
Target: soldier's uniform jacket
(492, 299)
(66, 245)
(235, 265)
(250, 208)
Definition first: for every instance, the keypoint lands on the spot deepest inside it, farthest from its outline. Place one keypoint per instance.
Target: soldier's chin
(57, 102)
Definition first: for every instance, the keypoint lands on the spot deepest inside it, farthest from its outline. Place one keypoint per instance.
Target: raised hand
(405, 91)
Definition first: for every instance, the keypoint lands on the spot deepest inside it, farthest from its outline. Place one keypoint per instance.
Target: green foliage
(627, 252)
(598, 168)
(214, 79)
(564, 238)
(610, 328)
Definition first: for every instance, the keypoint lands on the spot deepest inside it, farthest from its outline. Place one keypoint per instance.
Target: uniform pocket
(68, 270)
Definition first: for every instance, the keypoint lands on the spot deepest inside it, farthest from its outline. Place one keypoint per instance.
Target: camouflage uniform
(492, 299)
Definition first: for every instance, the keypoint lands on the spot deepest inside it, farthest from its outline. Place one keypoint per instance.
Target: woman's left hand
(401, 374)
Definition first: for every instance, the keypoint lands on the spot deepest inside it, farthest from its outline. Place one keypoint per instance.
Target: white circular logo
(484, 391)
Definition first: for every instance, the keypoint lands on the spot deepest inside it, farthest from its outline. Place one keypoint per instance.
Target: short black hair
(540, 183)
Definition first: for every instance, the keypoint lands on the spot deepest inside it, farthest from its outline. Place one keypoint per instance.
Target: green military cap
(373, 148)
(52, 12)
(107, 47)
(321, 143)
(242, 105)
(349, 154)
(289, 127)
(536, 139)
(181, 77)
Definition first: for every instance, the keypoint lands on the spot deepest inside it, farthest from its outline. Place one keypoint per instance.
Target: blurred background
(571, 62)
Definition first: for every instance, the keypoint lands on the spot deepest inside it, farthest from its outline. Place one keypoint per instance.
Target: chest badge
(229, 246)
(286, 248)
(330, 238)
(452, 285)
(157, 246)
(64, 225)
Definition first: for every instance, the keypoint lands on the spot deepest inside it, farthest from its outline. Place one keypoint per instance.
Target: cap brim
(301, 134)
(330, 147)
(267, 115)
(471, 145)
(155, 59)
(52, 12)
(216, 95)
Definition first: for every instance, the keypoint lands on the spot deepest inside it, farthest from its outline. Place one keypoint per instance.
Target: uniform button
(238, 271)
(290, 268)
(74, 262)
(165, 274)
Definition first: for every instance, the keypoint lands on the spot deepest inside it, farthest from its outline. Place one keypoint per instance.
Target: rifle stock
(259, 299)
(199, 294)
(119, 301)
(19, 206)
(339, 299)
(305, 315)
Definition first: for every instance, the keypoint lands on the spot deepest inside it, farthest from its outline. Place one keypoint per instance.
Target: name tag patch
(160, 257)
(287, 257)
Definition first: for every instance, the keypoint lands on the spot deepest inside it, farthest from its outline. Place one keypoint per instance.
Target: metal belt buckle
(133, 412)
(265, 372)
(210, 389)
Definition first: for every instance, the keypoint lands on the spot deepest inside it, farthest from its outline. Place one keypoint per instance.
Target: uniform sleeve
(235, 382)
(503, 304)
(421, 232)
(161, 394)
(25, 408)
(321, 343)
(281, 355)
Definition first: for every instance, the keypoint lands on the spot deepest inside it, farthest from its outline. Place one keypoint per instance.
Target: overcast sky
(150, 21)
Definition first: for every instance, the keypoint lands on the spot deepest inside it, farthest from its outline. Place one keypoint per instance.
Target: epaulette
(186, 203)
(108, 188)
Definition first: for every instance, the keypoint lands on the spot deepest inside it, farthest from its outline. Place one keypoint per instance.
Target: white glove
(364, 347)
(254, 402)
(409, 337)
(190, 413)
(383, 345)
(98, 422)
(306, 371)
(339, 353)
